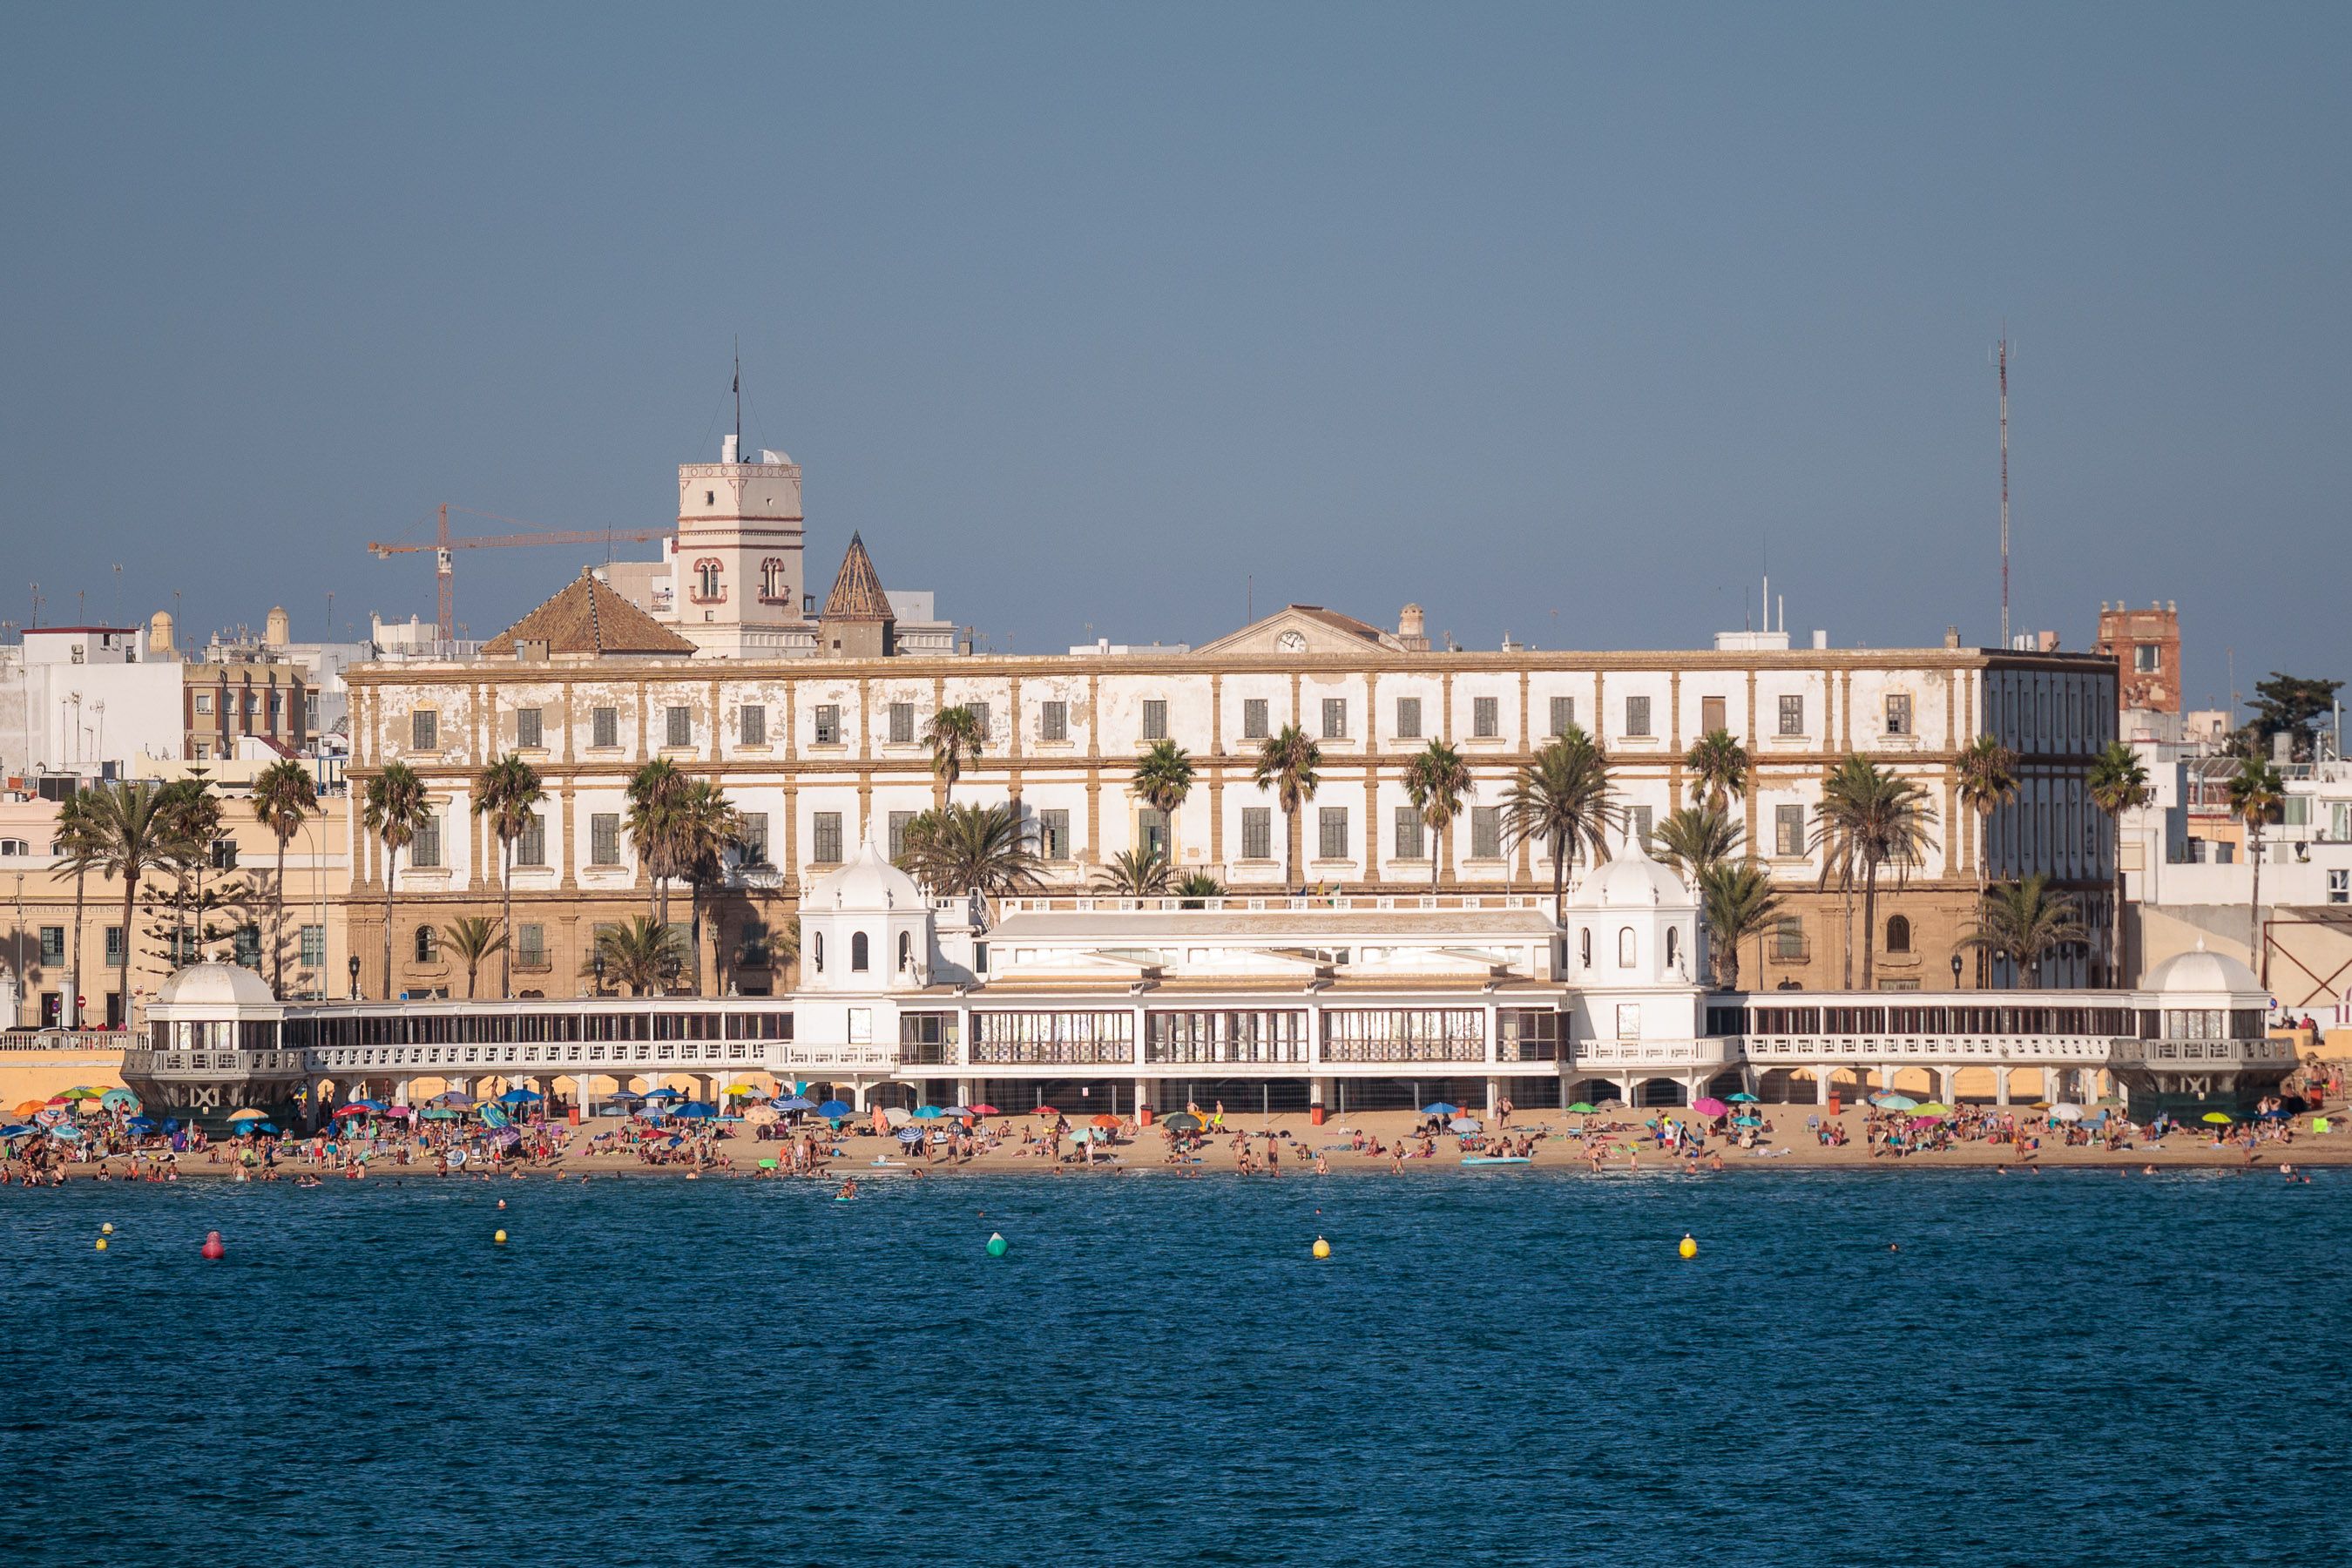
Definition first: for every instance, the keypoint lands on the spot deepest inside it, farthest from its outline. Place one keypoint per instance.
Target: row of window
(246, 941)
(1054, 721)
(2111, 1023)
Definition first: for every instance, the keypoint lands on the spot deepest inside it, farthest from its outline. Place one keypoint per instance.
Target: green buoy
(997, 1245)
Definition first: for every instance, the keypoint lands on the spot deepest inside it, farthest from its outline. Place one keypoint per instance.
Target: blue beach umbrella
(910, 1136)
(139, 1124)
(664, 1093)
(928, 1113)
(834, 1109)
(797, 1102)
(694, 1110)
(1441, 1109)
(18, 1130)
(520, 1097)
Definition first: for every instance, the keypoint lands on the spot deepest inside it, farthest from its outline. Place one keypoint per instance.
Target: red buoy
(213, 1249)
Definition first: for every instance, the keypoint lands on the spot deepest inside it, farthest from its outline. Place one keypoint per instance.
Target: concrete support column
(1948, 1084)
(1493, 1095)
(1822, 1076)
(2050, 1087)
(400, 1091)
(2000, 1084)
(1625, 1082)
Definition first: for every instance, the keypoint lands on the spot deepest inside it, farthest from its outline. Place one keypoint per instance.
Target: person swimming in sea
(848, 1191)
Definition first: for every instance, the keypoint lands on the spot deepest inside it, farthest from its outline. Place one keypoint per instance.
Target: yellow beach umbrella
(1931, 1109)
(2218, 1118)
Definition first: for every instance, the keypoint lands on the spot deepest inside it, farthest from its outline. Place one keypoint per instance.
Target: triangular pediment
(1298, 631)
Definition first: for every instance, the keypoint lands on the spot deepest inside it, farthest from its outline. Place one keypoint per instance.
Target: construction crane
(445, 548)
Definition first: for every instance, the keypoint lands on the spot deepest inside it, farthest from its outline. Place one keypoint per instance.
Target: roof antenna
(737, 390)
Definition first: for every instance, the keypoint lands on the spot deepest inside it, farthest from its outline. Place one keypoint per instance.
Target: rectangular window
(751, 723)
(276, 709)
(1486, 833)
(979, 711)
(826, 839)
(530, 946)
(1409, 827)
(245, 945)
(204, 702)
(527, 729)
(1485, 718)
(680, 728)
(1254, 719)
(224, 854)
(1408, 724)
(605, 838)
(1788, 830)
(2339, 887)
(1054, 722)
(1563, 715)
(828, 723)
(1155, 718)
(114, 944)
(1712, 715)
(1637, 715)
(314, 947)
(425, 849)
(310, 711)
(531, 843)
(53, 944)
(1639, 820)
(604, 727)
(752, 841)
(1789, 936)
(1053, 834)
(1154, 826)
(1331, 833)
(423, 730)
(2148, 658)
(1257, 833)
(1898, 712)
(902, 723)
(1792, 715)
(897, 832)
(1335, 717)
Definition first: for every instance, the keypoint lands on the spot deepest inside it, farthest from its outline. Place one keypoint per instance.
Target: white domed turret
(1633, 921)
(214, 986)
(278, 629)
(1630, 880)
(162, 634)
(2205, 975)
(864, 926)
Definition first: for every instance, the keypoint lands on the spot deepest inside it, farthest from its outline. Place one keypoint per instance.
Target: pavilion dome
(2204, 974)
(866, 882)
(216, 985)
(1632, 880)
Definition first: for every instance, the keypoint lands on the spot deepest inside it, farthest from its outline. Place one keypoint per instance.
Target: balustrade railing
(63, 1039)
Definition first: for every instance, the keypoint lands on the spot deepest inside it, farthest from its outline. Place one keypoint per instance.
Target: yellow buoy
(1322, 1247)
(106, 1229)
(1689, 1248)
(501, 1238)
(101, 1243)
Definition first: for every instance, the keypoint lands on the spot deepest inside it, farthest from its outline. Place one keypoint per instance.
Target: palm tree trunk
(1559, 881)
(1436, 847)
(2115, 935)
(1290, 848)
(1845, 929)
(277, 930)
(388, 853)
(1869, 922)
(130, 897)
(73, 1002)
(2254, 906)
(506, 916)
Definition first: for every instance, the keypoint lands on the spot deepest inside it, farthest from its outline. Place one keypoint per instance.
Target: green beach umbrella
(1585, 1107)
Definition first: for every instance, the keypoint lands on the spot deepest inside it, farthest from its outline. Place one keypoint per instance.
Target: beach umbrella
(986, 1110)
(18, 1130)
(520, 1097)
(928, 1113)
(760, 1116)
(1742, 1097)
(910, 1136)
(1893, 1102)
(2276, 1113)
(797, 1102)
(1183, 1121)
(1044, 1111)
(694, 1110)
(955, 1110)
(1461, 1124)
(70, 1134)
(120, 1099)
(2219, 1119)
(439, 1113)
(896, 1116)
(746, 1092)
(665, 1092)
(1108, 1122)
(343, 1110)
(249, 1114)
(834, 1109)
(1439, 1108)
(1747, 1122)
(2066, 1111)
(1585, 1107)
(1707, 1105)
(1932, 1109)
(30, 1106)
(80, 1091)
(139, 1124)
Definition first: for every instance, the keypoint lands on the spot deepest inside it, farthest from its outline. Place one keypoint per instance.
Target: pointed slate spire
(857, 592)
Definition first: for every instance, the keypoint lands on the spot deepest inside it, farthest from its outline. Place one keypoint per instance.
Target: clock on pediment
(1291, 642)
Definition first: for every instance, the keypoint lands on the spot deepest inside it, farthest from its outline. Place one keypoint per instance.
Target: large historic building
(813, 725)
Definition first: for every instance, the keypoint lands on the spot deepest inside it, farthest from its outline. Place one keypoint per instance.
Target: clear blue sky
(1545, 318)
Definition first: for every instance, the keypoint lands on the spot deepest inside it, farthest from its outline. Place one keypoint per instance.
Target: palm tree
(1134, 873)
(1740, 899)
(707, 827)
(474, 939)
(1719, 766)
(980, 849)
(195, 815)
(2256, 793)
(134, 830)
(1988, 781)
(507, 794)
(1197, 888)
(1436, 781)
(284, 796)
(657, 794)
(2025, 921)
(1163, 777)
(77, 843)
(1874, 819)
(1697, 839)
(2117, 782)
(1286, 764)
(393, 808)
(1563, 798)
(955, 738)
(640, 952)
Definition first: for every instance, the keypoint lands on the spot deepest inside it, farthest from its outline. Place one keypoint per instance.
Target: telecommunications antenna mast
(2001, 358)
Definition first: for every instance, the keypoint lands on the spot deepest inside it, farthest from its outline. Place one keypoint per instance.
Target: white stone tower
(736, 562)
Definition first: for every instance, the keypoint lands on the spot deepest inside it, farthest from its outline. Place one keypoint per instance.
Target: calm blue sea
(1500, 1368)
